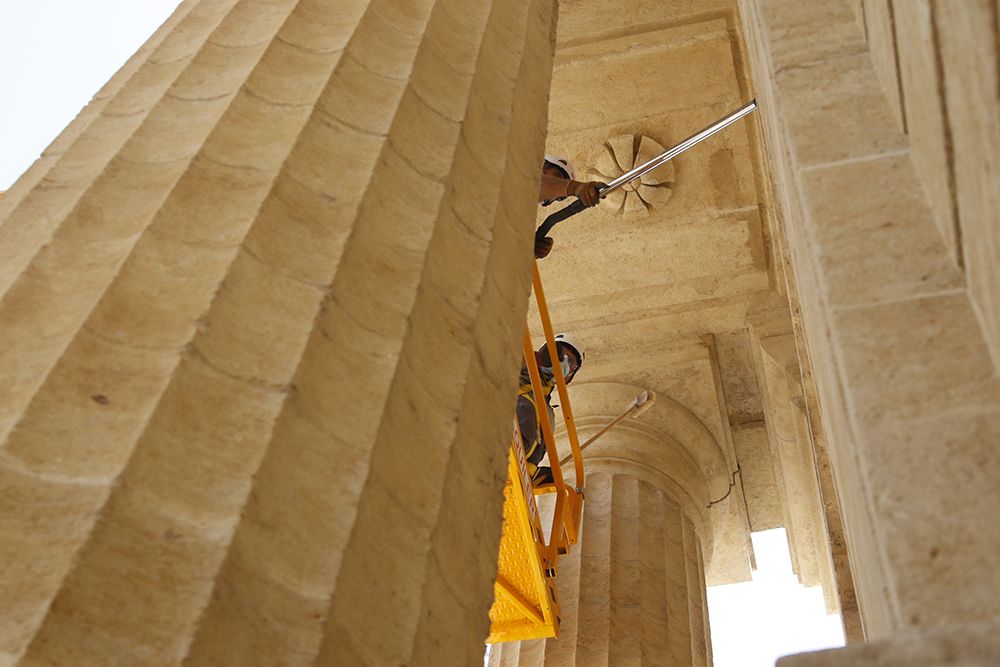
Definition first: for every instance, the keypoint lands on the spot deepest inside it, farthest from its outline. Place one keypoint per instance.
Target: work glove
(585, 192)
(543, 247)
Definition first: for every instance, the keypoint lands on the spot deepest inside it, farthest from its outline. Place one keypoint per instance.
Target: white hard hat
(571, 343)
(561, 163)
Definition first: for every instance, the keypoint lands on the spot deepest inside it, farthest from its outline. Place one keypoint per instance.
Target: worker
(570, 360)
(557, 183)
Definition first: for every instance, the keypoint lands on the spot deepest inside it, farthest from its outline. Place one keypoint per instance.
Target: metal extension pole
(647, 167)
(671, 153)
(642, 402)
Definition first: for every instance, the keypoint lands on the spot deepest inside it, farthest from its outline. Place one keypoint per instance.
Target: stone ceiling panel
(661, 294)
(587, 19)
(665, 77)
(626, 268)
(639, 75)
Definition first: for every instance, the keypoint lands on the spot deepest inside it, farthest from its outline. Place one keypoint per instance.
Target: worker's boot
(542, 476)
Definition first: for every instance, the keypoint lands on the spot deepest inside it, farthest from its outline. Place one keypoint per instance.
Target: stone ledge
(952, 646)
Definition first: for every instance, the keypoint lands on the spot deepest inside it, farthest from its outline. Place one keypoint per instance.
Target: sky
(755, 623)
(55, 54)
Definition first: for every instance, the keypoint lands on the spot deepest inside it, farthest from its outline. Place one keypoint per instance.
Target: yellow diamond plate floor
(527, 610)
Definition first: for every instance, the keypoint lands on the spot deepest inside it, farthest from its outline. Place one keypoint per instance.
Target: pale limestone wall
(938, 66)
(633, 591)
(792, 460)
(907, 386)
(258, 303)
(666, 300)
(784, 463)
(976, 645)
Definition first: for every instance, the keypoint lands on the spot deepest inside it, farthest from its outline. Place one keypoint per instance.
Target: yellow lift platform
(525, 604)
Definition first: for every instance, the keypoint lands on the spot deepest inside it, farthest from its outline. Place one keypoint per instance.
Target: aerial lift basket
(525, 604)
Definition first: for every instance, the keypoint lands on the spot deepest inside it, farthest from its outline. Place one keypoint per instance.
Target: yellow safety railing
(525, 605)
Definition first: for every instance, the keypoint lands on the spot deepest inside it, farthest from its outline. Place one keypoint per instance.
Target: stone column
(258, 302)
(633, 591)
(898, 331)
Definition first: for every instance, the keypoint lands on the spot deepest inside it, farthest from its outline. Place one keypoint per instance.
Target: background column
(632, 592)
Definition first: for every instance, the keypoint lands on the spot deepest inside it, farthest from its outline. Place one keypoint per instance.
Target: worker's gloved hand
(585, 192)
(543, 247)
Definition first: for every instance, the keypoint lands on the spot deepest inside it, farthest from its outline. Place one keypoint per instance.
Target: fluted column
(256, 306)
(633, 591)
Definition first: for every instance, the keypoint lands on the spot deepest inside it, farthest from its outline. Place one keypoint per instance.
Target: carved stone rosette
(620, 154)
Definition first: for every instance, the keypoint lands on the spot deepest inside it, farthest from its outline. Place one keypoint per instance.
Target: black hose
(558, 217)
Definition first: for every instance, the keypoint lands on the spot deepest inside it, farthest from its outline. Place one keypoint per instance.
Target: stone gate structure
(261, 306)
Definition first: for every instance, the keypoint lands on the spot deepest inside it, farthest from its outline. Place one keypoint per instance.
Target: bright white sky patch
(55, 54)
(755, 623)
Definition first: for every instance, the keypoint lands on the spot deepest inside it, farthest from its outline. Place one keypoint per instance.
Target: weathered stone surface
(757, 473)
(878, 239)
(341, 220)
(253, 342)
(902, 353)
(925, 113)
(952, 646)
(969, 43)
